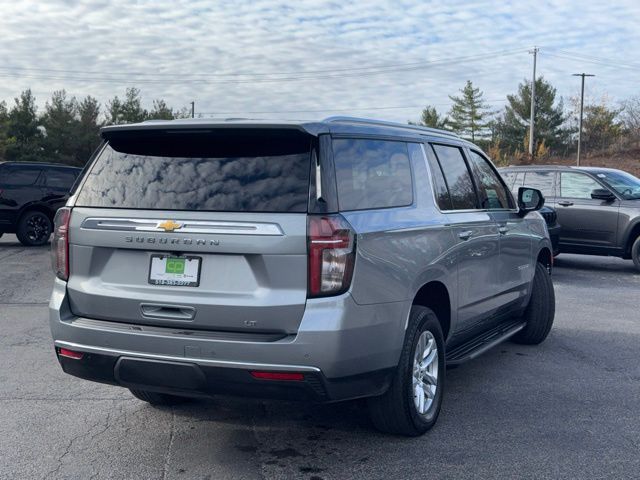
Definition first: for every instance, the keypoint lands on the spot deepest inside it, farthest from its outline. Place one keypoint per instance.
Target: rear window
(372, 174)
(227, 171)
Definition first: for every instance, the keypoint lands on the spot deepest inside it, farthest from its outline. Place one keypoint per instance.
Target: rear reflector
(285, 376)
(63, 352)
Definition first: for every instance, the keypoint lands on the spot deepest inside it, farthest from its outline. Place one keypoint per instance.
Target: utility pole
(533, 100)
(193, 109)
(581, 109)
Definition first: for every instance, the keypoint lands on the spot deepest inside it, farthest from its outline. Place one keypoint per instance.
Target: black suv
(598, 208)
(30, 194)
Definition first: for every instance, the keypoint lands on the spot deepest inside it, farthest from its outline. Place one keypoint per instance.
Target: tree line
(68, 130)
(504, 134)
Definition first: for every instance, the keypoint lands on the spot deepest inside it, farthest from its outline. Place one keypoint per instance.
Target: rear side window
(543, 181)
(439, 184)
(372, 174)
(19, 177)
(62, 179)
(229, 171)
(577, 185)
(457, 176)
(492, 192)
(509, 178)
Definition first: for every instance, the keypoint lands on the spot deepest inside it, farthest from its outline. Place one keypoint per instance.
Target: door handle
(466, 235)
(564, 203)
(503, 230)
(168, 312)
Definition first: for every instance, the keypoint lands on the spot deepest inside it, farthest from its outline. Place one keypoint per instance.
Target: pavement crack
(167, 455)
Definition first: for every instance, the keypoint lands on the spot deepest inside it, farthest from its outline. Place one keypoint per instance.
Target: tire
(158, 399)
(541, 310)
(397, 411)
(635, 253)
(34, 228)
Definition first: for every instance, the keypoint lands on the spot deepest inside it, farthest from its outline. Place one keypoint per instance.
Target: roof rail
(382, 123)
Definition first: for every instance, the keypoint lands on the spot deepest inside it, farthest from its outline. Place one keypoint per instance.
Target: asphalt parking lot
(568, 408)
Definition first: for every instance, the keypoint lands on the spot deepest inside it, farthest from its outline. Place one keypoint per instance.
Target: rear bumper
(198, 380)
(344, 350)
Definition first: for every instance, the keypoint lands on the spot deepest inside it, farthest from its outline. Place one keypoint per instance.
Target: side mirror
(603, 194)
(529, 200)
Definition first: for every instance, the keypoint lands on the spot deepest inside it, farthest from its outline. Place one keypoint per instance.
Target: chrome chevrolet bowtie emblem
(169, 225)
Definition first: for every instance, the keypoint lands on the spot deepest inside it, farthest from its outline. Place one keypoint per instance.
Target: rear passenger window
(20, 177)
(577, 185)
(493, 194)
(457, 176)
(372, 174)
(439, 184)
(61, 179)
(543, 181)
(509, 178)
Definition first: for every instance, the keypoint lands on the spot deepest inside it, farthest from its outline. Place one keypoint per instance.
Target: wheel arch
(634, 233)
(37, 207)
(435, 295)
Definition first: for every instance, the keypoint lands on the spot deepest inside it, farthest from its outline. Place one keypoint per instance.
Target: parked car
(30, 194)
(326, 261)
(598, 208)
(548, 213)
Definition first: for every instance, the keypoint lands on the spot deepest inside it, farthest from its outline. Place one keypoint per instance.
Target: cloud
(187, 50)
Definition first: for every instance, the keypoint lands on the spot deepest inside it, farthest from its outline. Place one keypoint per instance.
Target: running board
(489, 339)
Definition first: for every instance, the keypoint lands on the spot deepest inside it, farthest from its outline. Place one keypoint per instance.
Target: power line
(253, 74)
(605, 63)
(279, 77)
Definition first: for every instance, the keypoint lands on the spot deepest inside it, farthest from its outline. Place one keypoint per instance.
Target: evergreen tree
(88, 129)
(469, 114)
(161, 111)
(60, 128)
(128, 110)
(512, 128)
(25, 138)
(600, 127)
(4, 125)
(431, 118)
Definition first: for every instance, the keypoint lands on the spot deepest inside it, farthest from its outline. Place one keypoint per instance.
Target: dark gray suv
(598, 208)
(325, 261)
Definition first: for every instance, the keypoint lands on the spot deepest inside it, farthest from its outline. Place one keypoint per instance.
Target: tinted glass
(622, 182)
(543, 181)
(577, 185)
(509, 178)
(372, 174)
(457, 176)
(61, 179)
(230, 171)
(493, 195)
(439, 184)
(518, 182)
(19, 177)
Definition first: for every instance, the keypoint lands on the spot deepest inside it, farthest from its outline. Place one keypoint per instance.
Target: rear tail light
(60, 243)
(331, 255)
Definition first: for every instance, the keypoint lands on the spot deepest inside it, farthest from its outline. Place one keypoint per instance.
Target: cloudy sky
(309, 58)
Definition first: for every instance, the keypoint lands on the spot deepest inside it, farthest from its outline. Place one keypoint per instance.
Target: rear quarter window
(230, 171)
(372, 174)
(59, 179)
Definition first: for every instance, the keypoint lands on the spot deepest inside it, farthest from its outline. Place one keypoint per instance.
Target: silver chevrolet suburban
(326, 261)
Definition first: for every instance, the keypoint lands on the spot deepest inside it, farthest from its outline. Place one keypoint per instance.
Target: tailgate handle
(167, 312)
